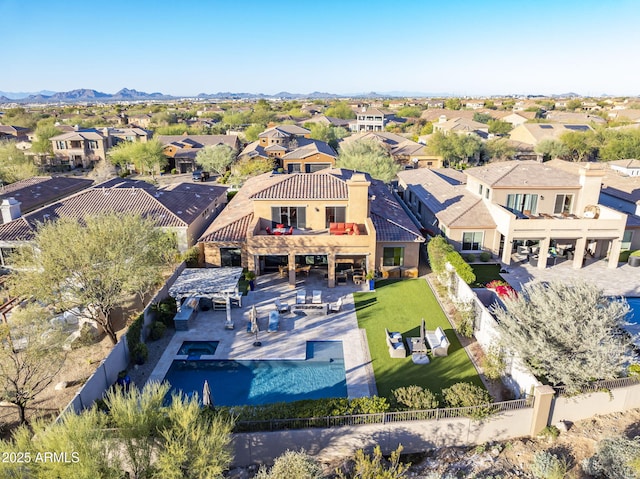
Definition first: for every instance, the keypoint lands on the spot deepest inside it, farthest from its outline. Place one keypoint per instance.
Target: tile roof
(536, 132)
(78, 135)
(284, 131)
(307, 147)
(444, 193)
(299, 186)
(629, 164)
(523, 174)
(40, 190)
(198, 141)
(389, 217)
(234, 232)
(172, 207)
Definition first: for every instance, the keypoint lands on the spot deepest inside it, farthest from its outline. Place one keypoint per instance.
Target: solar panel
(577, 127)
(546, 127)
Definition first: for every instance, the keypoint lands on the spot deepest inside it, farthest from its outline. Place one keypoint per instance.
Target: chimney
(591, 180)
(10, 208)
(76, 127)
(107, 137)
(442, 118)
(358, 191)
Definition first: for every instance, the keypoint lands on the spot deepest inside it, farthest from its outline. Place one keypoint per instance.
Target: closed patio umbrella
(253, 316)
(206, 395)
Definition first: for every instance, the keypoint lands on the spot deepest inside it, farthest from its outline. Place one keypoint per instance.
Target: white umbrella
(253, 316)
(206, 395)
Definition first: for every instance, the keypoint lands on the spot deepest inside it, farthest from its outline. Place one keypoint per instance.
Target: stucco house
(186, 209)
(501, 207)
(327, 219)
(370, 119)
(534, 133)
(183, 149)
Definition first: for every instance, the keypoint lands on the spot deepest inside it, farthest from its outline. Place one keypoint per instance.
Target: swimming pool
(198, 348)
(235, 383)
(634, 318)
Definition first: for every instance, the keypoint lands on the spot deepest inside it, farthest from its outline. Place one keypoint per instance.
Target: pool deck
(295, 329)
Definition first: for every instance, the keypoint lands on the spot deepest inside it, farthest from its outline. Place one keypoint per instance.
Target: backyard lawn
(399, 306)
(485, 273)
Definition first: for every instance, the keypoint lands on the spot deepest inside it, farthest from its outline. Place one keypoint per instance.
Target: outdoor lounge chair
(301, 296)
(335, 307)
(395, 344)
(317, 297)
(438, 342)
(281, 307)
(274, 321)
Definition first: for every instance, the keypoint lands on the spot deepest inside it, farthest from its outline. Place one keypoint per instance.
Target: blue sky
(481, 47)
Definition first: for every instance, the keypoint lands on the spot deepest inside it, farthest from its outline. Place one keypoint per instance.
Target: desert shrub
(368, 405)
(415, 397)
(470, 258)
(375, 466)
(493, 363)
(551, 432)
(546, 465)
(292, 465)
(467, 395)
(190, 257)
(485, 256)
(617, 457)
(157, 330)
(634, 370)
(465, 316)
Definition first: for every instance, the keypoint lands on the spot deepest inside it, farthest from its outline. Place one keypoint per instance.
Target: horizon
(467, 50)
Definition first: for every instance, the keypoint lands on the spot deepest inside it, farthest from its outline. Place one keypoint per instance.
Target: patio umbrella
(253, 316)
(206, 395)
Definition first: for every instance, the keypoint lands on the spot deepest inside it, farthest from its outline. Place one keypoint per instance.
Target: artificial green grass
(399, 305)
(485, 273)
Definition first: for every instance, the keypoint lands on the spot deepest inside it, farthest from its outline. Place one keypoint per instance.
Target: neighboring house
(518, 118)
(184, 208)
(503, 206)
(461, 126)
(631, 115)
(291, 149)
(15, 133)
(403, 150)
(370, 119)
(337, 217)
(32, 193)
(327, 120)
(574, 118)
(141, 121)
(183, 149)
(534, 133)
(626, 167)
(83, 147)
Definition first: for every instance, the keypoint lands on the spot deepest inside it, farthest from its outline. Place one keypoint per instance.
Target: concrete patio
(295, 329)
(621, 281)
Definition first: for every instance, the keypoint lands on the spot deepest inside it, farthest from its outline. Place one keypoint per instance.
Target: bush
(140, 353)
(493, 363)
(549, 466)
(470, 258)
(134, 332)
(415, 397)
(465, 316)
(617, 457)
(462, 268)
(550, 432)
(635, 253)
(190, 257)
(634, 370)
(466, 395)
(165, 311)
(485, 256)
(174, 171)
(292, 465)
(157, 330)
(624, 256)
(375, 466)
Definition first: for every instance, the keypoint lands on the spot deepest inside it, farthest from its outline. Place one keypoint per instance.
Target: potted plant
(370, 278)
(250, 276)
(634, 259)
(123, 379)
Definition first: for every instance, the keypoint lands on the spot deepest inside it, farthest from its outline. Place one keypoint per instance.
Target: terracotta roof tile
(304, 186)
(40, 190)
(234, 232)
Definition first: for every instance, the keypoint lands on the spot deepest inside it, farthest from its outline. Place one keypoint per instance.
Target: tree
(499, 127)
(14, 165)
(550, 149)
(573, 105)
(368, 156)
(579, 144)
(42, 144)
(499, 149)
(341, 110)
(482, 117)
(31, 356)
(248, 167)
(409, 112)
(455, 148)
(453, 104)
(619, 145)
(216, 158)
(92, 263)
(147, 157)
(567, 333)
(252, 132)
(328, 133)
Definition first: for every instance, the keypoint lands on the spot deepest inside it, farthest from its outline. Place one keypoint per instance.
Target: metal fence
(599, 386)
(383, 418)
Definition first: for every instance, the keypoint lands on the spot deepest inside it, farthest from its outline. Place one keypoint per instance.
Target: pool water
(198, 348)
(634, 319)
(235, 383)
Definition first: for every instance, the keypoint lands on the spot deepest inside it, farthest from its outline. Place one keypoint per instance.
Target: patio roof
(206, 282)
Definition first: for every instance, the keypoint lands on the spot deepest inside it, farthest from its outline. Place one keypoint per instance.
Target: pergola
(214, 283)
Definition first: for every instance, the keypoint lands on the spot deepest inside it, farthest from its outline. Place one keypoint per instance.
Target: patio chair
(335, 307)
(281, 307)
(274, 321)
(268, 230)
(395, 344)
(301, 296)
(236, 299)
(290, 231)
(317, 297)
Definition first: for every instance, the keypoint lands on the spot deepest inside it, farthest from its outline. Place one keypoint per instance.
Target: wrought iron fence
(599, 386)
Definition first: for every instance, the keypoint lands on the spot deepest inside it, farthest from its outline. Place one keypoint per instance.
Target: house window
(313, 167)
(523, 203)
(563, 204)
(335, 214)
(230, 257)
(472, 241)
(393, 256)
(480, 189)
(93, 144)
(60, 145)
(295, 216)
(293, 167)
(486, 193)
(626, 240)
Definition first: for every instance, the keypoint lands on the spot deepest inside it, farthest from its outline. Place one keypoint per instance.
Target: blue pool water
(634, 315)
(198, 348)
(235, 383)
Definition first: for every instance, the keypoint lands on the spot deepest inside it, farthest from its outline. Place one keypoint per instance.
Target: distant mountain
(85, 95)
(19, 95)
